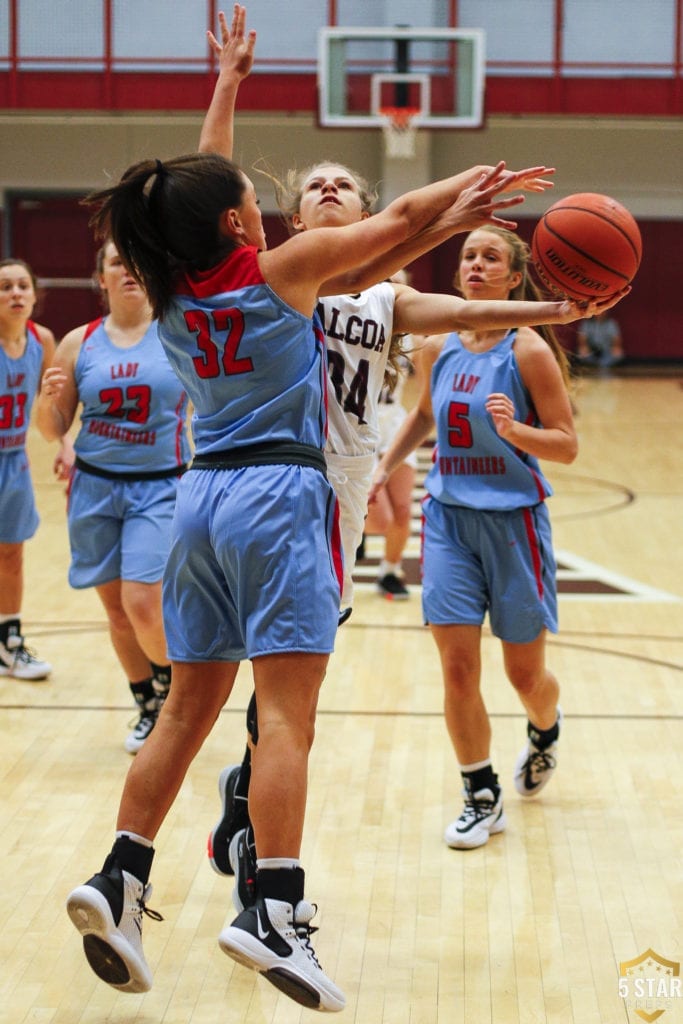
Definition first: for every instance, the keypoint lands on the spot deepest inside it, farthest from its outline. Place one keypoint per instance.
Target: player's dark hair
(163, 218)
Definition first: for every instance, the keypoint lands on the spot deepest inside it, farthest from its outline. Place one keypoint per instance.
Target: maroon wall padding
(52, 234)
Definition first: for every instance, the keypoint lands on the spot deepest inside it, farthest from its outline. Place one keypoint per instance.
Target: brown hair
(527, 289)
(11, 262)
(164, 218)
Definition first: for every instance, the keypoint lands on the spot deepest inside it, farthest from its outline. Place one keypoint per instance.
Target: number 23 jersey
(358, 331)
(134, 406)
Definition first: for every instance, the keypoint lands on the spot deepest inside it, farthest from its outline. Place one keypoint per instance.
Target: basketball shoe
(535, 765)
(234, 816)
(149, 713)
(273, 938)
(16, 659)
(242, 854)
(393, 588)
(481, 817)
(107, 911)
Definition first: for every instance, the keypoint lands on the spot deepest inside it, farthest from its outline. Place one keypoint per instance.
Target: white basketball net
(400, 132)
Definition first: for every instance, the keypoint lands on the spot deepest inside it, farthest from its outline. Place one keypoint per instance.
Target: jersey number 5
(459, 426)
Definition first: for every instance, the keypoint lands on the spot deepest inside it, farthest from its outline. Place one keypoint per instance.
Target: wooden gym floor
(530, 929)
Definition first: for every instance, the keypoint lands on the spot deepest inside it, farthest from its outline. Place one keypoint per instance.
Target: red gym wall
(52, 234)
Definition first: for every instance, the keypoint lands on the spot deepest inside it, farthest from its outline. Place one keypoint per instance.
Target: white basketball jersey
(358, 331)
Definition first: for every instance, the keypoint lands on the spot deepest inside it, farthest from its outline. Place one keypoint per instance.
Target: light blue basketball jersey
(19, 381)
(474, 467)
(254, 368)
(134, 406)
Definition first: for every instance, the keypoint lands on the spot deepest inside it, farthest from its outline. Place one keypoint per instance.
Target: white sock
(388, 567)
(272, 863)
(135, 838)
(475, 766)
(8, 618)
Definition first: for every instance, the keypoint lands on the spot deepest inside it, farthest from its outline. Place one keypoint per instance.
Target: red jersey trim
(238, 270)
(91, 328)
(534, 550)
(31, 326)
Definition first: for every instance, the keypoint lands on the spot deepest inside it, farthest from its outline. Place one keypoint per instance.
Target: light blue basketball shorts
(18, 514)
(255, 565)
(502, 563)
(119, 529)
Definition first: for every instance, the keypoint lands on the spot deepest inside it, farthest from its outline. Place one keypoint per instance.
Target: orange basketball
(586, 246)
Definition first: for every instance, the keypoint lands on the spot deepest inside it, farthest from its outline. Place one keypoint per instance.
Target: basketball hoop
(400, 129)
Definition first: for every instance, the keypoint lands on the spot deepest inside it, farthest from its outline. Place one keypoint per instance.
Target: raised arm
(477, 202)
(235, 55)
(321, 252)
(434, 313)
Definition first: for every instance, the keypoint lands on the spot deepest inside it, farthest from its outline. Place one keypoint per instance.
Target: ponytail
(163, 218)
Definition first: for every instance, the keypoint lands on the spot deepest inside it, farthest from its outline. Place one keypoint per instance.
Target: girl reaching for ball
(499, 402)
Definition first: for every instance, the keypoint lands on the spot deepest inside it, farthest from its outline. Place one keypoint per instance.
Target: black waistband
(155, 474)
(269, 453)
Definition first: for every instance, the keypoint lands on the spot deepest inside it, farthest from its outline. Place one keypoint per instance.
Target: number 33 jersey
(358, 331)
(134, 406)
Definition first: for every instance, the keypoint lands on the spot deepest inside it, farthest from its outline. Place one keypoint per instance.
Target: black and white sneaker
(242, 854)
(391, 587)
(234, 816)
(18, 660)
(344, 615)
(534, 767)
(481, 817)
(107, 911)
(273, 937)
(143, 727)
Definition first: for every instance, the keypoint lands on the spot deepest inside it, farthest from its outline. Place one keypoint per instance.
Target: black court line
(361, 713)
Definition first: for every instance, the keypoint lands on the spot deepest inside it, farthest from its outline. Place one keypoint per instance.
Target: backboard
(439, 72)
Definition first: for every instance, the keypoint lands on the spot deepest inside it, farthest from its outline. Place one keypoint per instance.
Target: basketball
(586, 246)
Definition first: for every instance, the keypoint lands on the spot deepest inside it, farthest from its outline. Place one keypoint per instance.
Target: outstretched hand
(574, 309)
(479, 203)
(235, 52)
(530, 179)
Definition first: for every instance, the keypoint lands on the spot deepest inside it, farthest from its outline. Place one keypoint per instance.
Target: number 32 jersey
(358, 331)
(134, 406)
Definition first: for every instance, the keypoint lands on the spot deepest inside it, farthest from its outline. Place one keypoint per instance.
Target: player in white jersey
(390, 517)
(360, 317)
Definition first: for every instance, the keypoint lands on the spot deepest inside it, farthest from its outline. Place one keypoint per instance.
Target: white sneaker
(19, 661)
(481, 817)
(273, 937)
(142, 728)
(107, 911)
(534, 768)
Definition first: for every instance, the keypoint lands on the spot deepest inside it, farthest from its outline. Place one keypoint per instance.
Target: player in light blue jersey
(131, 450)
(499, 402)
(26, 348)
(255, 564)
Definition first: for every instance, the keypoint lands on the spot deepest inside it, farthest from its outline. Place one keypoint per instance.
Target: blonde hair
(288, 191)
(526, 289)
